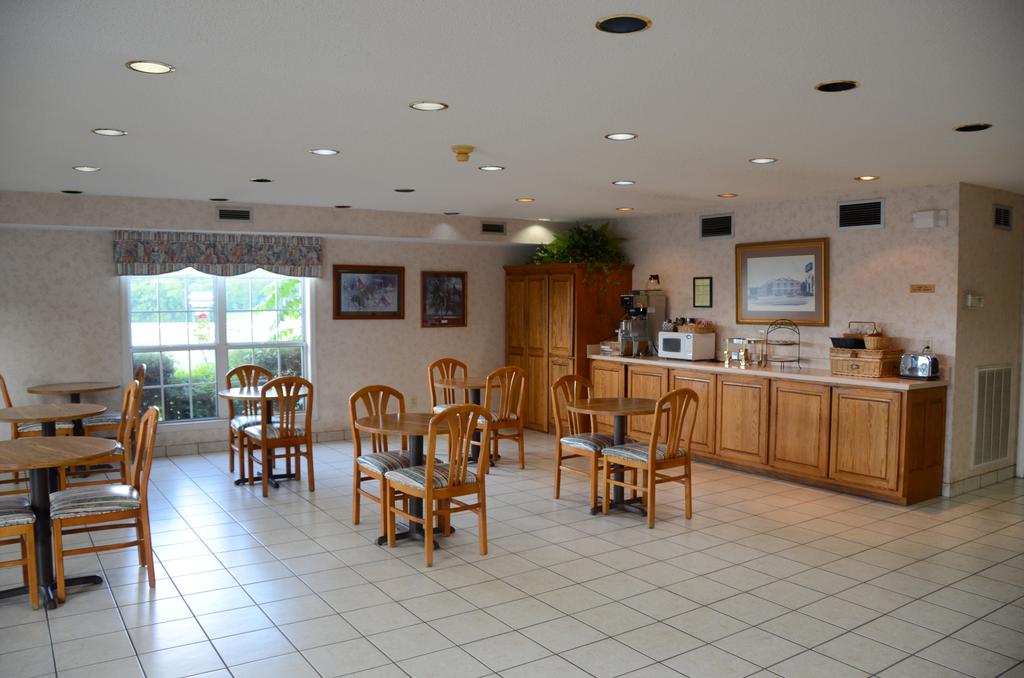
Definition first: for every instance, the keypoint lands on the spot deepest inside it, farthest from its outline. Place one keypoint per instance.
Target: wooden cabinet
(645, 382)
(865, 437)
(553, 312)
(741, 425)
(924, 426)
(703, 383)
(799, 427)
(609, 381)
(558, 368)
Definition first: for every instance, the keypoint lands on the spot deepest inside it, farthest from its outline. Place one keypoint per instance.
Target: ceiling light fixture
(524, 199)
(623, 209)
(837, 85)
(150, 67)
(866, 177)
(71, 192)
(973, 127)
(86, 168)
(261, 180)
(543, 219)
(763, 161)
(491, 168)
(405, 190)
(323, 151)
(623, 182)
(428, 105)
(109, 132)
(727, 195)
(620, 136)
(621, 24)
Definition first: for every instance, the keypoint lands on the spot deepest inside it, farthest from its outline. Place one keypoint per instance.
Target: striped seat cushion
(415, 476)
(37, 428)
(245, 421)
(93, 500)
(437, 409)
(273, 431)
(15, 510)
(103, 420)
(511, 417)
(635, 452)
(595, 442)
(382, 462)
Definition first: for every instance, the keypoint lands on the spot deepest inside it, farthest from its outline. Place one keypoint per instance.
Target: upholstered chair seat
(416, 476)
(638, 452)
(93, 500)
(593, 442)
(382, 462)
(15, 510)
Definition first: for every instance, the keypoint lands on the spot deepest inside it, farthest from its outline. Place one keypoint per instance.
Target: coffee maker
(644, 312)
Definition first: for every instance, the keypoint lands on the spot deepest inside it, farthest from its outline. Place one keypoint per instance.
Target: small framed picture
(783, 279)
(443, 298)
(369, 292)
(702, 292)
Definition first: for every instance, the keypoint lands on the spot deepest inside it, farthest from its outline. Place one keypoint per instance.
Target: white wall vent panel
(992, 413)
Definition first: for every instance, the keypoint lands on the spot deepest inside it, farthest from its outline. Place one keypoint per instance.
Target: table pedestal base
(272, 481)
(48, 593)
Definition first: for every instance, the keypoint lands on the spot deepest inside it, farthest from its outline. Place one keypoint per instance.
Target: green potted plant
(583, 244)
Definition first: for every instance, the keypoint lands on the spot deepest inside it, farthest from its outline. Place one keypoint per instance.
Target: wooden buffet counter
(882, 438)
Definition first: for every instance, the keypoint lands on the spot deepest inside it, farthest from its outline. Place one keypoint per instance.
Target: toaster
(919, 366)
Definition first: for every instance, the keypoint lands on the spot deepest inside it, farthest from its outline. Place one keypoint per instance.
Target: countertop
(775, 372)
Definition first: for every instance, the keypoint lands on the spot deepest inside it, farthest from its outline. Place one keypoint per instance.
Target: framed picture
(369, 292)
(784, 279)
(702, 292)
(444, 298)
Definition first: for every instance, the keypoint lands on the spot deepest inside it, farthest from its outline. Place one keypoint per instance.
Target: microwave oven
(686, 345)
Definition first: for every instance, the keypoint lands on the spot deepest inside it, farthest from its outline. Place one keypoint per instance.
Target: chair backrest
(242, 376)
(143, 461)
(287, 394)
(567, 389)
(127, 427)
(7, 403)
(675, 416)
(458, 424)
(373, 401)
(510, 383)
(140, 374)
(446, 368)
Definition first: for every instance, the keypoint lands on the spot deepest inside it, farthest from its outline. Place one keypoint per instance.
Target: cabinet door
(609, 381)
(741, 426)
(515, 319)
(865, 437)
(799, 431)
(558, 368)
(703, 383)
(560, 317)
(645, 382)
(536, 409)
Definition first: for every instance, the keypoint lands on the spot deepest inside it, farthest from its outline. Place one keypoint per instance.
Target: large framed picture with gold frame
(782, 279)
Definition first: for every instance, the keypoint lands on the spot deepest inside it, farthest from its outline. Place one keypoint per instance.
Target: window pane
(264, 326)
(201, 328)
(204, 401)
(143, 294)
(266, 357)
(289, 326)
(291, 361)
(172, 294)
(173, 329)
(151, 398)
(264, 294)
(152, 363)
(239, 356)
(200, 294)
(145, 329)
(239, 327)
(175, 367)
(176, 401)
(290, 294)
(237, 292)
(204, 367)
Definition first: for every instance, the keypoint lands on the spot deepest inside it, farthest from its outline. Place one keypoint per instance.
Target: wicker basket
(854, 362)
(876, 342)
(693, 328)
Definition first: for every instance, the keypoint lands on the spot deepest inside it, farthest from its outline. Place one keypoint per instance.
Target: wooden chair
(372, 401)
(112, 422)
(575, 434)
(64, 428)
(440, 485)
(510, 384)
(127, 430)
(17, 526)
(247, 412)
(287, 428)
(80, 510)
(446, 368)
(675, 412)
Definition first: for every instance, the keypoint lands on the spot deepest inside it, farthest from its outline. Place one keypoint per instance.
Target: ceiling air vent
(716, 226)
(1003, 218)
(493, 227)
(862, 214)
(234, 214)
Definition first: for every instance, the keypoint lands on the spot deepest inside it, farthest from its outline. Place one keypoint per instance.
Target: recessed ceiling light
(219, 199)
(428, 105)
(342, 207)
(837, 85)
(763, 161)
(524, 199)
(323, 151)
(727, 195)
(623, 209)
(623, 182)
(491, 168)
(451, 214)
(623, 23)
(543, 219)
(109, 132)
(973, 127)
(261, 180)
(150, 67)
(86, 168)
(620, 136)
(71, 192)
(404, 190)
(866, 177)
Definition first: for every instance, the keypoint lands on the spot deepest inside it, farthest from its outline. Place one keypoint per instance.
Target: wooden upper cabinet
(703, 383)
(537, 314)
(645, 382)
(741, 426)
(865, 437)
(560, 317)
(609, 381)
(799, 431)
(515, 315)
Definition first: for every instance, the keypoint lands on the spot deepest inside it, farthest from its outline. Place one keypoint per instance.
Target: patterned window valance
(156, 252)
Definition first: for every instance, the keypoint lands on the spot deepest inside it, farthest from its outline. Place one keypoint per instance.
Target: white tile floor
(769, 578)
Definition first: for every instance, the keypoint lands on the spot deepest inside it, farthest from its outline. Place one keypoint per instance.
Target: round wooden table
(48, 415)
(620, 409)
(251, 394)
(73, 390)
(41, 457)
(474, 385)
(414, 425)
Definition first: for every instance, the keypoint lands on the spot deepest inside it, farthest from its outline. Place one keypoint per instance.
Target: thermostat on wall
(930, 218)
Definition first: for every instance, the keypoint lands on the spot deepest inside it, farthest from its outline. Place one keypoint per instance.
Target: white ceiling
(531, 83)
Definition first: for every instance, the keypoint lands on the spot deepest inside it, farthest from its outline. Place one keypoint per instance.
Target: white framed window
(190, 329)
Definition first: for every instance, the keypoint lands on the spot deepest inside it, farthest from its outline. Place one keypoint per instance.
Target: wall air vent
(861, 214)
(1003, 218)
(992, 414)
(243, 214)
(492, 227)
(716, 226)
